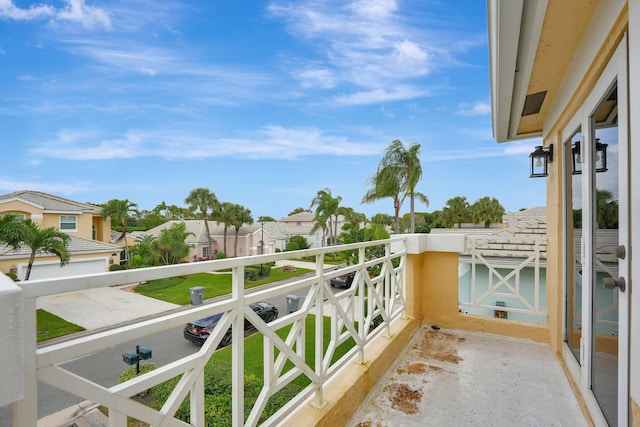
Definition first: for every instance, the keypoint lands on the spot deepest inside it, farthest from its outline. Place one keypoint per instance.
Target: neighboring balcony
(394, 348)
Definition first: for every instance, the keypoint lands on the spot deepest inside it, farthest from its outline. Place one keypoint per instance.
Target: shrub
(117, 267)
(13, 276)
(221, 255)
(131, 373)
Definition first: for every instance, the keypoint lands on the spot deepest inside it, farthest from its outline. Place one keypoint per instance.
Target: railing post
(117, 419)
(319, 351)
(197, 401)
(25, 411)
(237, 348)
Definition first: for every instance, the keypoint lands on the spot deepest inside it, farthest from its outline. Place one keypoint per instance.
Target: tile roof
(49, 202)
(77, 246)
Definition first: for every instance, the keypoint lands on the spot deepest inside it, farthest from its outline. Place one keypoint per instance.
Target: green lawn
(218, 377)
(51, 326)
(176, 289)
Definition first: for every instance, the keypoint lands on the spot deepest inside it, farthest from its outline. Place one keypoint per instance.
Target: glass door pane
(604, 346)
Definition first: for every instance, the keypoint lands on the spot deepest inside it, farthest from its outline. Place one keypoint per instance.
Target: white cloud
(74, 11)
(476, 109)
(270, 142)
(368, 44)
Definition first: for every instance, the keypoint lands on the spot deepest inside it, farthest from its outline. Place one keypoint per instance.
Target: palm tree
(205, 201)
(46, 240)
(238, 215)
(487, 211)
(10, 231)
(326, 206)
(456, 211)
(119, 211)
(397, 176)
(606, 210)
(223, 216)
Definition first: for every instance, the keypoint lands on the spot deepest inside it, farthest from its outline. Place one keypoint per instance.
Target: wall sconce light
(601, 157)
(540, 158)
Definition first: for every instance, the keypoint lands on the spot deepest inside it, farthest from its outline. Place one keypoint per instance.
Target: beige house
(567, 71)
(89, 247)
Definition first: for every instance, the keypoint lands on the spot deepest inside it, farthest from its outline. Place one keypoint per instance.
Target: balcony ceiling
(531, 44)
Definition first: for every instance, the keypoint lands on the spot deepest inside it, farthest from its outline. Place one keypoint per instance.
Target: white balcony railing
(377, 293)
(501, 277)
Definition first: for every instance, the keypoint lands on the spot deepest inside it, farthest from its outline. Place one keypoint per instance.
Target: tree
(382, 219)
(265, 219)
(397, 176)
(11, 231)
(204, 201)
(47, 240)
(144, 253)
(487, 211)
(353, 220)
(297, 243)
(326, 206)
(606, 210)
(456, 211)
(224, 217)
(119, 211)
(298, 210)
(239, 215)
(171, 245)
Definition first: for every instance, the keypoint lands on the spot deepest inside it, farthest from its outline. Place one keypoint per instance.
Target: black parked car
(343, 281)
(197, 332)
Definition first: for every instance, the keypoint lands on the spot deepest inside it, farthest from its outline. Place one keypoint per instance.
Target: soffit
(565, 22)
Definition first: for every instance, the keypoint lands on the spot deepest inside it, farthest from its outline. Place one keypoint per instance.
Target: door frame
(614, 72)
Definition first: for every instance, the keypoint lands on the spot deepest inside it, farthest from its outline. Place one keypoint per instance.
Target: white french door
(597, 225)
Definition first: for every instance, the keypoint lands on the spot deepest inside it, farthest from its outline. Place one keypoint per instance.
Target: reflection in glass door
(605, 210)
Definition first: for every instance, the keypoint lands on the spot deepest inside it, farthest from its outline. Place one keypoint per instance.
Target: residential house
(89, 247)
(566, 71)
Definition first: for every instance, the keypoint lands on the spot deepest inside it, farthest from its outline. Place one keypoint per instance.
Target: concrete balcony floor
(462, 378)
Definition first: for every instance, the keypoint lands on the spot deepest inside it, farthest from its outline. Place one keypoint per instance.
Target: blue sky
(264, 103)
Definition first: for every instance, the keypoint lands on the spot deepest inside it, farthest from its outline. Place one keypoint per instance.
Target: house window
(68, 222)
(205, 252)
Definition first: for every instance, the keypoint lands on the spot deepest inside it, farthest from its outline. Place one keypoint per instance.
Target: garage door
(51, 269)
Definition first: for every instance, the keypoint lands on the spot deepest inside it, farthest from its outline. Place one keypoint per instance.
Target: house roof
(299, 217)
(524, 230)
(77, 246)
(51, 203)
(531, 46)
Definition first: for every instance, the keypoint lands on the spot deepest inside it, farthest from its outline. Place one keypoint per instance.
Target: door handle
(611, 283)
(621, 252)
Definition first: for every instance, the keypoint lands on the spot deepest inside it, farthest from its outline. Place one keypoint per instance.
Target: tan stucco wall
(18, 207)
(635, 413)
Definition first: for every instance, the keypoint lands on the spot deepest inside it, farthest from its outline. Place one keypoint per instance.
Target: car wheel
(271, 317)
(226, 340)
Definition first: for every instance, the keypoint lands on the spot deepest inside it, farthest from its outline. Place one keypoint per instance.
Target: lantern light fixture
(600, 159)
(540, 159)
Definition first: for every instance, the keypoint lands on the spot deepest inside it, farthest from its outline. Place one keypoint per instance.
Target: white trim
(634, 131)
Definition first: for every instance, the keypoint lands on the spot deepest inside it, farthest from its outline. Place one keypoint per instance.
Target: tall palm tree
(224, 216)
(239, 216)
(119, 211)
(205, 201)
(326, 206)
(397, 176)
(46, 240)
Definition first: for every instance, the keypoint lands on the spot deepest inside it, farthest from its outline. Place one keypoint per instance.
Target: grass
(253, 349)
(50, 326)
(176, 289)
